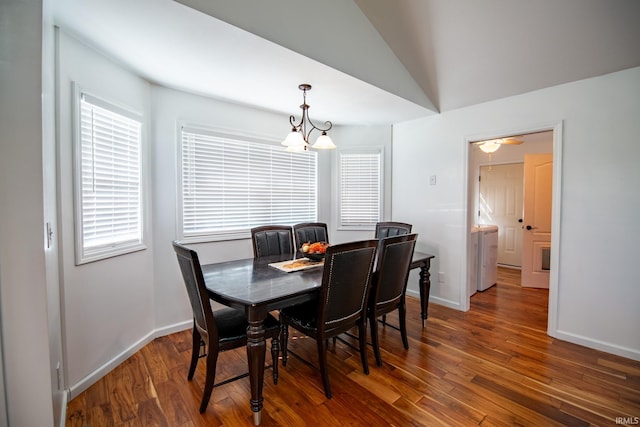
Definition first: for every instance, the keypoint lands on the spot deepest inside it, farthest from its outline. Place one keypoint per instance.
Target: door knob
(530, 227)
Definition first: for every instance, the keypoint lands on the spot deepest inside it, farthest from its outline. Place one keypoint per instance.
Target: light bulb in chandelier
(298, 138)
(324, 142)
(294, 139)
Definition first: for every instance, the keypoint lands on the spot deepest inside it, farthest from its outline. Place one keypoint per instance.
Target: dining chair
(390, 228)
(341, 303)
(310, 232)
(216, 331)
(272, 240)
(389, 286)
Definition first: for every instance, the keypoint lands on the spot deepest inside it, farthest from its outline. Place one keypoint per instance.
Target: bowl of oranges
(314, 251)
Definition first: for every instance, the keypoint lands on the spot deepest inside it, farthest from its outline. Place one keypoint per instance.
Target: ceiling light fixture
(298, 138)
(490, 146)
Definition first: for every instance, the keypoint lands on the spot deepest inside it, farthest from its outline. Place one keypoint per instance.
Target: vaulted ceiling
(369, 61)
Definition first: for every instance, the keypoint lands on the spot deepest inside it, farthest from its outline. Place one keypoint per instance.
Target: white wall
(597, 290)
(171, 107)
(50, 208)
(23, 305)
(108, 304)
(114, 306)
(357, 137)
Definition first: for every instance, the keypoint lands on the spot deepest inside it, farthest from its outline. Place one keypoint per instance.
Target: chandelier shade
(298, 138)
(294, 139)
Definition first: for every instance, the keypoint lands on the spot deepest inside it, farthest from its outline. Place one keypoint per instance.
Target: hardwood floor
(491, 366)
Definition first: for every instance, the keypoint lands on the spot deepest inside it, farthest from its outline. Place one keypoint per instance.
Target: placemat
(296, 264)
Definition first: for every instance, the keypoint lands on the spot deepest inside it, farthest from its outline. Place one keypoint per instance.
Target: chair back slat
(196, 289)
(310, 232)
(391, 228)
(272, 240)
(392, 268)
(345, 283)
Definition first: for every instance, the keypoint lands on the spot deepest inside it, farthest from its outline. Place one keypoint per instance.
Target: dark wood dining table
(256, 288)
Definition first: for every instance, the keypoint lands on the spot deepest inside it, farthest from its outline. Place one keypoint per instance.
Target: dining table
(258, 286)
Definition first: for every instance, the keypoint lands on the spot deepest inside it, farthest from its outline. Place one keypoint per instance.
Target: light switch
(432, 180)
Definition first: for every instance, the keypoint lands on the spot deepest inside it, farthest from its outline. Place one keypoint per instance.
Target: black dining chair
(341, 303)
(389, 286)
(272, 240)
(216, 331)
(390, 228)
(310, 232)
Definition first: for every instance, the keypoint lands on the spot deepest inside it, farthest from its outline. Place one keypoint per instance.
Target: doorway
(500, 200)
(541, 140)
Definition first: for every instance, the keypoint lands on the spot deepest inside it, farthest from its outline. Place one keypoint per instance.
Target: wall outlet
(440, 277)
(432, 180)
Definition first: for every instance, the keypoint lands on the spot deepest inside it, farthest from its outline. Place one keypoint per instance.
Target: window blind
(110, 175)
(232, 183)
(360, 195)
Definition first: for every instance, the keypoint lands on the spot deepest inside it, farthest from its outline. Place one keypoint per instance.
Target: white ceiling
(369, 61)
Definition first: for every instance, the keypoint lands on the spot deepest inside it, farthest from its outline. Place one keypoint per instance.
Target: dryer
(472, 267)
(487, 256)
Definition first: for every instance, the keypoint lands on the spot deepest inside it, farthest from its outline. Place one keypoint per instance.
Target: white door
(501, 205)
(536, 245)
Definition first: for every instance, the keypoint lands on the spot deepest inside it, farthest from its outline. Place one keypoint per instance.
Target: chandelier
(298, 138)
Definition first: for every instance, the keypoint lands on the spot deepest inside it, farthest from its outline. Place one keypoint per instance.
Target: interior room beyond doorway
(496, 196)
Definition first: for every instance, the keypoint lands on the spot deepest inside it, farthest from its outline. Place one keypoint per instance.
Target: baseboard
(172, 329)
(629, 353)
(447, 303)
(412, 293)
(436, 300)
(103, 370)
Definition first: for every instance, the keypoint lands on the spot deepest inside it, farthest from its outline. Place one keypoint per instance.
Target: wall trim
(447, 303)
(63, 411)
(557, 128)
(436, 300)
(629, 353)
(107, 367)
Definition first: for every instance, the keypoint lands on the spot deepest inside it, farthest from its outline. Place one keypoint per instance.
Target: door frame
(554, 274)
(4, 416)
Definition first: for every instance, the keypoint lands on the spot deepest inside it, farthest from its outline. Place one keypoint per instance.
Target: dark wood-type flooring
(492, 366)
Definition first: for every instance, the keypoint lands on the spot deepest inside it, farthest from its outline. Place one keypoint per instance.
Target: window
(360, 189)
(231, 183)
(107, 180)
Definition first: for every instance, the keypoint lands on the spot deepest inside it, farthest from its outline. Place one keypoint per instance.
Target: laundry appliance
(472, 268)
(487, 275)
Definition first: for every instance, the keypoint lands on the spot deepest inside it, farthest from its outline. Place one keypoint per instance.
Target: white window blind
(360, 195)
(109, 188)
(232, 183)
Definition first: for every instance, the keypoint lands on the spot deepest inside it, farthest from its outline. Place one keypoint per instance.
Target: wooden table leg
(425, 288)
(256, 349)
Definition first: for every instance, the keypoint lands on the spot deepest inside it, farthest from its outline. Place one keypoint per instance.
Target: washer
(487, 256)
(472, 268)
